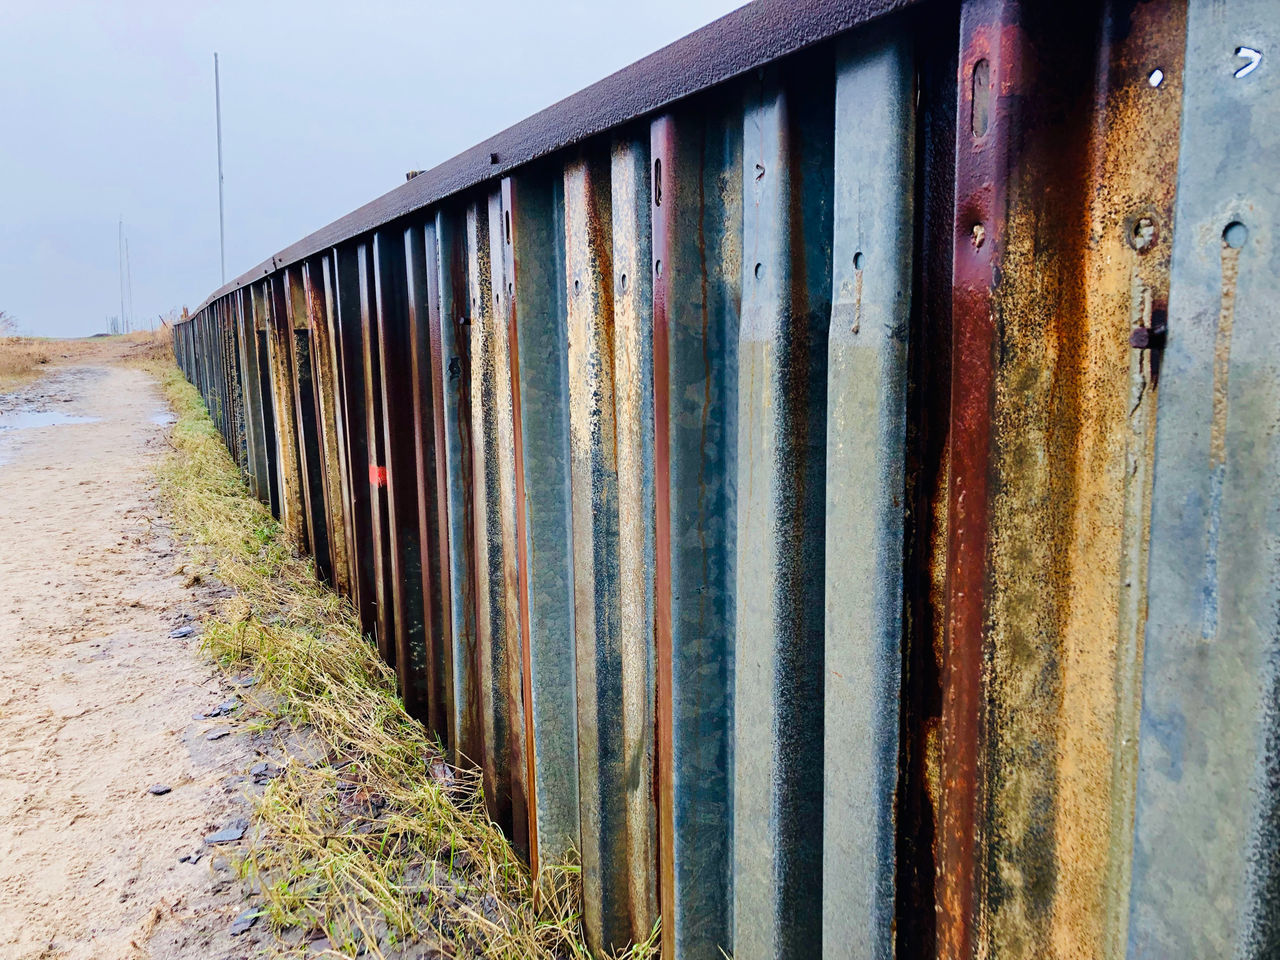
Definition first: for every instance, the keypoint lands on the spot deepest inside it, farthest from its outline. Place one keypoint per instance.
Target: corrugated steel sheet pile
(828, 474)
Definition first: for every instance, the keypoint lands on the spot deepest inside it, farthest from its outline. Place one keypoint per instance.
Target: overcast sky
(107, 110)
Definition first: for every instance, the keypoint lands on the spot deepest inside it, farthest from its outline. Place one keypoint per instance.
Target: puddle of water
(164, 419)
(30, 419)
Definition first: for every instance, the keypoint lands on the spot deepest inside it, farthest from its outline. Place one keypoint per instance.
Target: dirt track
(96, 698)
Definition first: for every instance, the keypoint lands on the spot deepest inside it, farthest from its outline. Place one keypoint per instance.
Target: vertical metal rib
(321, 311)
(279, 333)
(1206, 877)
(370, 385)
(399, 431)
(428, 436)
(493, 641)
(786, 305)
(533, 241)
(593, 458)
(633, 411)
(252, 385)
(453, 318)
(350, 349)
(696, 215)
(308, 420)
(509, 692)
(866, 431)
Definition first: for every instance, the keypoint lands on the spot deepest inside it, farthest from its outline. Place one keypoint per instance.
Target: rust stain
(1222, 356)
(508, 239)
(1130, 186)
(319, 308)
(979, 175)
(505, 377)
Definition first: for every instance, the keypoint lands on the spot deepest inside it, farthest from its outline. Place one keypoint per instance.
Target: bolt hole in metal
(508, 217)
(657, 182)
(1142, 234)
(1235, 234)
(622, 283)
(857, 260)
(577, 286)
(980, 118)
(978, 235)
(1156, 78)
(657, 267)
(1253, 56)
(759, 271)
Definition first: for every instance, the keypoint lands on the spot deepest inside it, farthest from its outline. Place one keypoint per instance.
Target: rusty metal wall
(826, 476)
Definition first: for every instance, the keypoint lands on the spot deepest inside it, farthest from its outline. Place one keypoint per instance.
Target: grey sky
(107, 110)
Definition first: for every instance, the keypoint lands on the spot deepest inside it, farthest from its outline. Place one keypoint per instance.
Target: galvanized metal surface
(866, 434)
(1207, 829)
(840, 505)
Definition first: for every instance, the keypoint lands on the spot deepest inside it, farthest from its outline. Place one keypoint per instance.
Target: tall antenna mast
(217, 100)
(120, 265)
(128, 281)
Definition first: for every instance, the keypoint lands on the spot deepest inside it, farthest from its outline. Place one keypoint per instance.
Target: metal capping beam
(406, 586)
(696, 217)
(533, 252)
(741, 41)
(1206, 873)
(782, 406)
(866, 432)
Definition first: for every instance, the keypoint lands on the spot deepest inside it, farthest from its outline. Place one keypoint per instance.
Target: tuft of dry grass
(21, 359)
(148, 346)
(379, 841)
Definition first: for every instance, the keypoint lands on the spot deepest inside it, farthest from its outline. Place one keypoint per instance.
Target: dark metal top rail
(740, 41)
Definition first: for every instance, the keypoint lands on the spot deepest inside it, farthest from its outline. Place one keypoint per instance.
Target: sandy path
(96, 700)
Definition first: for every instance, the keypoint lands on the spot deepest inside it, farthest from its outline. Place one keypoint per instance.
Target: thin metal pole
(128, 285)
(120, 265)
(217, 99)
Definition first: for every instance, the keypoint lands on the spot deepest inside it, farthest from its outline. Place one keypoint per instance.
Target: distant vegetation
(20, 357)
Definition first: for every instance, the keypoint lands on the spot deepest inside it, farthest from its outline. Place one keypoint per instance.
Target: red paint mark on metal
(990, 47)
(662, 149)
(377, 475)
